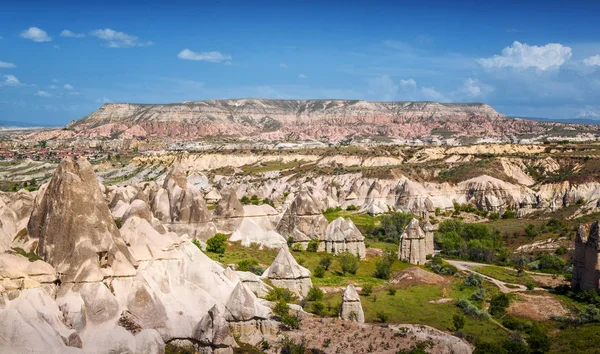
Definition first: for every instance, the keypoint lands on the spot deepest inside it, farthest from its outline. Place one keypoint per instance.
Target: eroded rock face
(586, 260)
(285, 272)
(303, 220)
(351, 307)
(342, 235)
(75, 231)
(415, 244)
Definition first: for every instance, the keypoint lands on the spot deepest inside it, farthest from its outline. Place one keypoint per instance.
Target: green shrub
(551, 262)
(509, 214)
(289, 346)
(494, 216)
(319, 272)
(250, 265)
(313, 246)
(530, 285)
(325, 261)
(367, 290)
(351, 207)
(391, 291)
(318, 308)
(538, 341)
(217, 244)
(474, 280)
(381, 316)
(458, 321)
(498, 304)
(277, 294)
(560, 251)
(348, 262)
(314, 294)
(383, 268)
(479, 295)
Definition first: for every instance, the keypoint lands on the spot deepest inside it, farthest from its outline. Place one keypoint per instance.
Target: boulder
(351, 308)
(285, 272)
(213, 331)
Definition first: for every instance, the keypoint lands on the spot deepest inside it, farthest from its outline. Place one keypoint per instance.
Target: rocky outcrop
(213, 332)
(285, 272)
(74, 228)
(343, 236)
(351, 308)
(181, 207)
(586, 259)
(303, 221)
(415, 244)
(228, 213)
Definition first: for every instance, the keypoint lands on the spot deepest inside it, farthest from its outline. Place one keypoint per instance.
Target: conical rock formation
(342, 235)
(285, 272)
(351, 306)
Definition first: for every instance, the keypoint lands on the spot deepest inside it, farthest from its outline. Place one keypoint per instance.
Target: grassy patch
(504, 274)
(364, 222)
(576, 340)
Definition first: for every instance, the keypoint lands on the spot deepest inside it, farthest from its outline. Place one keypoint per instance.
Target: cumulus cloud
(302, 76)
(522, 56)
(68, 87)
(5, 65)
(71, 34)
(116, 39)
(431, 94)
(211, 57)
(472, 88)
(36, 34)
(10, 80)
(410, 83)
(592, 61)
(43, 94)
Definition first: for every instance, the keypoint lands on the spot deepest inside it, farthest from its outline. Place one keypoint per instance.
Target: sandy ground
(538, 307)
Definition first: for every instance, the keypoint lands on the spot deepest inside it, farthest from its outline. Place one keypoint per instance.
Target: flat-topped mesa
(303, 221)
(586, 260)
(75, 231)
(305, 119)
(285, 272)
(415, 244)
(351, 308)
(341, 236)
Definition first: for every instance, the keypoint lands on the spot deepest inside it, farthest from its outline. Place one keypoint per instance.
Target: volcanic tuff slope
(302, 119)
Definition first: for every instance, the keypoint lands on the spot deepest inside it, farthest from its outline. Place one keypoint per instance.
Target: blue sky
(61, 61)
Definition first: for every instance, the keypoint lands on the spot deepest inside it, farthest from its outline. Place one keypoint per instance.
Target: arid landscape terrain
(293, 226)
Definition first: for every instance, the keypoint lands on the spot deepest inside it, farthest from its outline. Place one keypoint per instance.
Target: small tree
(474, 280)
(383, 268)
(319, 272)
(458, 321)
(499, 304)
(325, 261)
(538, 341)
(217, 244)
(348, 262)
(314, 294)
(313, 246)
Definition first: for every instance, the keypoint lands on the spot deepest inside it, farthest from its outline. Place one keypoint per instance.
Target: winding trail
(503, 286)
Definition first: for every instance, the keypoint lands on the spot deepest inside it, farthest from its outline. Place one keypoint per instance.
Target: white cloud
(116, 39)
(592, 61)
(43, 94)
(472, 88)
(52, 87)
(283, 65)
(68, 87)
(36, 35)
(431, 94)
(522, 56)
(302, 76)
(382, 88)
(10, 80)
(5, 65)
(55, 80)
(74, 93)
(67, 33)
(103, 100)
(211, 57)
(410, 83)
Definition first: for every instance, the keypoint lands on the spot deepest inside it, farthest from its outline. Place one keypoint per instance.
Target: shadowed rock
(586, 260)
(351, 307)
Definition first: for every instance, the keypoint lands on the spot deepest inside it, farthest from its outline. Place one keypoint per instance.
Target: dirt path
(503, 286)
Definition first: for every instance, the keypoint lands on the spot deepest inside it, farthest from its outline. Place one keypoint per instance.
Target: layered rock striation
(415, 244)
(586, 259)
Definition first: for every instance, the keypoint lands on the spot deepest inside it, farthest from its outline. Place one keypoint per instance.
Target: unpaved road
(503, 286)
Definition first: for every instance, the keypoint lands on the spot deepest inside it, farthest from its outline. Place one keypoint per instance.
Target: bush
(391, 291)
(314, 294)
(351, 207)
(538, 341)
(289, 346)
(247, 265)
(499, 303)
(494, 216)
(277, 294)
(474, 280)
(318, 308)
(392, 226)
(530, 285)
(367, 290)
(530, 231)
(551, 262)
(383, 268)
(217, 244)
(348, 262)
(319, 272)
(458, 321)
(509, 214)
(471, 310)
(560, 251)
(325, 261)
(313, 246)
(479, 295)
(381, 317)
